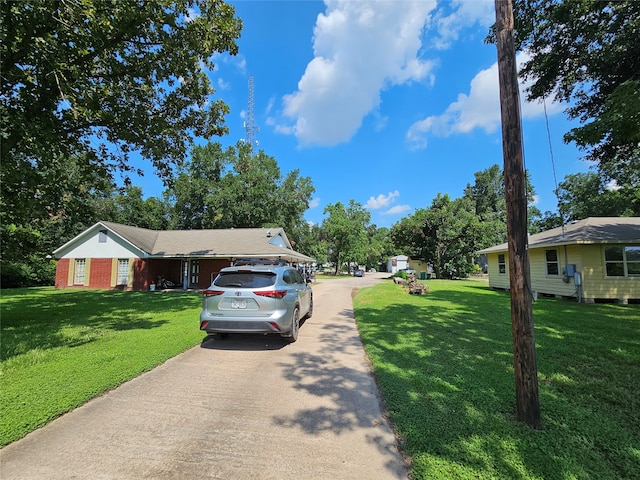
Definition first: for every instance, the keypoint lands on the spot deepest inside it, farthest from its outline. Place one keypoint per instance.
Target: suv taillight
(272, 293)
(211, 293)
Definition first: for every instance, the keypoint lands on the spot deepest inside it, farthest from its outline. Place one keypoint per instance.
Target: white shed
(397, 263)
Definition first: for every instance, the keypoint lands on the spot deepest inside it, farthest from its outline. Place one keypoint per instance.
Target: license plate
(238, 303)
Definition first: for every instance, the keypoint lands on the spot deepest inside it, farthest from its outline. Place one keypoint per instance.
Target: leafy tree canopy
(232, 188)
(380, 246)
(99, 78)
(583, 195)
(345, 231)
(587, 53)
(447, 234)
(487, 195)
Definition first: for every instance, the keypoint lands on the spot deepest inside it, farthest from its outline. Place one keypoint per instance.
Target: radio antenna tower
(250, 124)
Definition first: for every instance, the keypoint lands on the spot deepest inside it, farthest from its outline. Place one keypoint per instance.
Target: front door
(194, 273)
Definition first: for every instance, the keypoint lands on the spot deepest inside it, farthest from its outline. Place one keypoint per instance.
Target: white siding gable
(278, 241)
(98, 245)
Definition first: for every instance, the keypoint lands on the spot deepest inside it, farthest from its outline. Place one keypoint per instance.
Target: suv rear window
(245, 279)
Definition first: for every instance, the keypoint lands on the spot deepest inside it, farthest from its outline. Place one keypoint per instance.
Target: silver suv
(256, 298)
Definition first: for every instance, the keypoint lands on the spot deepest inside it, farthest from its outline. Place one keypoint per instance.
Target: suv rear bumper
(235, 326)
(277, 323)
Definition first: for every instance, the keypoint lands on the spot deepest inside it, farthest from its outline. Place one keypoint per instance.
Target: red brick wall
(100, 273)
(144, 272)
(209, 267)
(141, 278)
(62, 273)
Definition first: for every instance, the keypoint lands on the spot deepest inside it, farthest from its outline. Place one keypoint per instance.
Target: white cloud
(613, 186)
(382, 201)
(237, 61)
(314, 203)
(397, 210)
(222, 85)
(360, 49)
(380, 121)
(464, 13)
(479, 109)
(270, 104)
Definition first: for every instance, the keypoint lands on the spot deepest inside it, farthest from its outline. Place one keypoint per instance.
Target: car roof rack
(241, 262)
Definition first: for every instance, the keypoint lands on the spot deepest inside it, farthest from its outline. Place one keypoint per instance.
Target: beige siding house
(592, 260)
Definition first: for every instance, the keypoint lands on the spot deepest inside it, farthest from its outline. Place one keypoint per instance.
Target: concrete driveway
(248, 407)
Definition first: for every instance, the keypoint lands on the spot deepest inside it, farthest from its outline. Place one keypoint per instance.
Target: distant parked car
(358, 273)
(256, 299)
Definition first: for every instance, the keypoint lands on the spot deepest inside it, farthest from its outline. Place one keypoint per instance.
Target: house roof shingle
(225, 243)
(588, 231)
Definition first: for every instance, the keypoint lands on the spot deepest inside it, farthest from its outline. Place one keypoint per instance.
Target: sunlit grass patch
(444, 364)
(61, 348)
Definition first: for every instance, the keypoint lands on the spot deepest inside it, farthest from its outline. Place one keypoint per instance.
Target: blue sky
(386, 103)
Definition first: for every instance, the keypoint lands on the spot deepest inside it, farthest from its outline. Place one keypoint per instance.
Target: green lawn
(444, 360)
(60, 348)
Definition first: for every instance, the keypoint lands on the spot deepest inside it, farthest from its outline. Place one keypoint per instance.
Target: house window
(123, 271)
(622, 261)
(502, 265)
(552, 262)
(102, 236)
(78, 271)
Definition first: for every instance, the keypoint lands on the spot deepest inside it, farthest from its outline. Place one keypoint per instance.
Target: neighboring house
(593, 260)
(397, 263)
(114, 256)
(423, 269)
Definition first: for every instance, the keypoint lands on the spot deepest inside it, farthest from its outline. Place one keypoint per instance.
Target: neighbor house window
(102, 236)
(552, 262)
(502, 265)
(78, 271)
(622, 261)
(123, 271)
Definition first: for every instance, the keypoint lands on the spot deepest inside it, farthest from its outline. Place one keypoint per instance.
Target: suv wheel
(295, 326)
(310, 312)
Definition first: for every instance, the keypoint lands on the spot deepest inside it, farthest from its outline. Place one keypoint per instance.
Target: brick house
(114, 256)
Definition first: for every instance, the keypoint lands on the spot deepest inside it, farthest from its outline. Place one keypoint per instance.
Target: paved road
(248, 407)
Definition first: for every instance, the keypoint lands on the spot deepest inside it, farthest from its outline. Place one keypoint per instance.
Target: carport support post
(524, 347)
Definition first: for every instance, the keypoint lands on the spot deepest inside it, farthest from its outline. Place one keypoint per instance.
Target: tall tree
(311, 242)
(345, 231)
(447, 235)
(232, 188)
(41, 209)
(198, 185)
(583, 195)
(380, 246)
(488, 196)
(129, 208)
(104, 78)
(85, 84)
(586, 53)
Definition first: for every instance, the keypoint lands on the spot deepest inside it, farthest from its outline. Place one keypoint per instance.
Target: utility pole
(524, 347)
